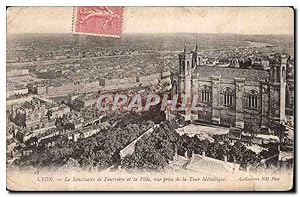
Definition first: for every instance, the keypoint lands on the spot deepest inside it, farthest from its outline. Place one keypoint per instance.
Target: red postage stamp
(98, 21)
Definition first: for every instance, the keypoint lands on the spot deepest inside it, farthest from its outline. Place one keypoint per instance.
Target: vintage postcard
(150, 98)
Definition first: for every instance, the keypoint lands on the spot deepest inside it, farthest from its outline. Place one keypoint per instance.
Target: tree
(49, 114)
(253, 128)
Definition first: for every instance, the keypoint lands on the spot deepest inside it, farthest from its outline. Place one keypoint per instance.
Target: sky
(239, 20)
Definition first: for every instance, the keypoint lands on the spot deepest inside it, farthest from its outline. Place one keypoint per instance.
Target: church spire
(196, 42)
(184, 49)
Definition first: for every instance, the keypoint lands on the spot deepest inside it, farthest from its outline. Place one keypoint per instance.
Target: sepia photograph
(107, 98)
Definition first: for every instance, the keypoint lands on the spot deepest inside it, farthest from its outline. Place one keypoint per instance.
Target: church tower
(197, 60)
(277, 86)
(185, 72)
(185, 77)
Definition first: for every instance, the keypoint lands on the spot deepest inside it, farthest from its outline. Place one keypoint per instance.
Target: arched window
(283, 73)
(188, 67)
(278, 75)
(175, 87)
(205, 94)
(228, 97)
(252, 98)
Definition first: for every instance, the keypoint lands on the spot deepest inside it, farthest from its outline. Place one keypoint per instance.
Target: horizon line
(268, 34)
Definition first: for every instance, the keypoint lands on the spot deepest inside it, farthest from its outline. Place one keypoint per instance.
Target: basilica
(231, 97)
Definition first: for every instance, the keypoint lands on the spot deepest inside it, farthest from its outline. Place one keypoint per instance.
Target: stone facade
(232, 97)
